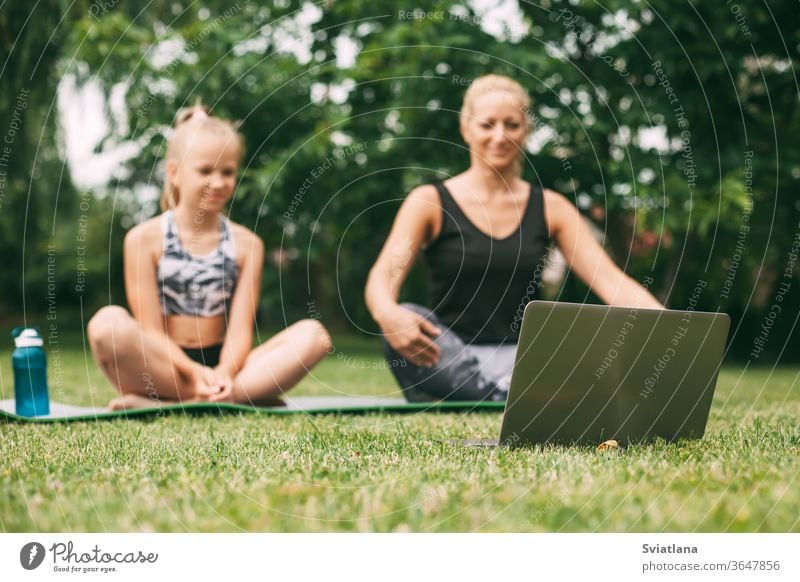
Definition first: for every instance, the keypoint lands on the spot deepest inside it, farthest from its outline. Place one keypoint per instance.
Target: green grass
(392, 473)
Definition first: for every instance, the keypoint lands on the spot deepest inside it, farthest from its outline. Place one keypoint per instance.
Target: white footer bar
(401, 557)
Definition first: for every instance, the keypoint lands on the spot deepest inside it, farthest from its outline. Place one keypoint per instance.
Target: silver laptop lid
(589, 373)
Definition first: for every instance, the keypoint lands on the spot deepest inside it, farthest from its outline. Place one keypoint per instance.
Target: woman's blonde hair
(188, 121)
(497, 84)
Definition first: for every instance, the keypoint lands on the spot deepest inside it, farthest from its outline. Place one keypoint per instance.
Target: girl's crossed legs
(140, 363)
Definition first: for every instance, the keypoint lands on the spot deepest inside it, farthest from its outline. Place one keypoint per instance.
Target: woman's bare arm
(588, 259)
(410, 231)
(407, 332)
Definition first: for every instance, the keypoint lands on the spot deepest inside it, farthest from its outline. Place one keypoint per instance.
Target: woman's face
(495, 130)
(205, 175)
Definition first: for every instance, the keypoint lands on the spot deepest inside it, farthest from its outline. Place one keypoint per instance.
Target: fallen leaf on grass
(607, 446)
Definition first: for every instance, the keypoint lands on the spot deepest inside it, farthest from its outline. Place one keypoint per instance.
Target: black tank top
(480, 285)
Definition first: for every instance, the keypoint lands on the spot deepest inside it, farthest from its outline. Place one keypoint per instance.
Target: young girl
(192, 280)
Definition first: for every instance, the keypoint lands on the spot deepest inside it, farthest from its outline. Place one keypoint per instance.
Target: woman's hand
(412, 336)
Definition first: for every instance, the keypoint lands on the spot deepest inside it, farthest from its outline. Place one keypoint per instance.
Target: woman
(484, 233)
(192, 278)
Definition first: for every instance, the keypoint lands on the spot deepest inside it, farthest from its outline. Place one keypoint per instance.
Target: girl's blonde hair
(189, 121)
(497, 84)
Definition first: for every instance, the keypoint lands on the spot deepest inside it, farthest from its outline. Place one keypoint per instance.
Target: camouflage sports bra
(196, 285)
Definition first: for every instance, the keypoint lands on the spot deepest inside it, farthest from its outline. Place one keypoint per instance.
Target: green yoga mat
(60, 412)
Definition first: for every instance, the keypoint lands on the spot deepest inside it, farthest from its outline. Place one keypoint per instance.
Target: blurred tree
(717, 82)
(35, 185)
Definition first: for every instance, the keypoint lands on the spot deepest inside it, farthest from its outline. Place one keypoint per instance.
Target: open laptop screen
(588, 373)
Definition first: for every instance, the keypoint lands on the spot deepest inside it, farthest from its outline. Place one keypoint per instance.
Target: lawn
(392, 472)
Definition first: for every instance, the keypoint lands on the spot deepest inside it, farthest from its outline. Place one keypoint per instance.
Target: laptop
(585, 374)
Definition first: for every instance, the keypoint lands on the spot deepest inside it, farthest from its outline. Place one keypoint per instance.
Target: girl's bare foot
(136, 401)
(133, 401)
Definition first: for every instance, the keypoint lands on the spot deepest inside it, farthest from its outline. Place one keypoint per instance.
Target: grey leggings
(464, 372)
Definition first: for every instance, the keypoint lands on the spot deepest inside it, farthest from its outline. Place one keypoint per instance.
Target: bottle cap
(28, 338)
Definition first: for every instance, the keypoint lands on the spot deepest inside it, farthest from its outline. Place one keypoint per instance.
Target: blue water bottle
(30, 373)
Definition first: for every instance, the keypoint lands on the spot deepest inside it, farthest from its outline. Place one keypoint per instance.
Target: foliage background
(388, 120)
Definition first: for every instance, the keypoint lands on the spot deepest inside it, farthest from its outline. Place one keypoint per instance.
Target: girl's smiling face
(205, 174)
(495, 129)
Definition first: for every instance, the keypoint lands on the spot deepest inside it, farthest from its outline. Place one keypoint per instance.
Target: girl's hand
(412, 336)
(206, 386)
(225, 383)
